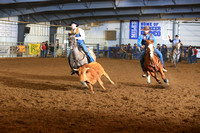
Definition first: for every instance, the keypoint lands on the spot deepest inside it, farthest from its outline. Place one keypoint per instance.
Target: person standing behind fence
(158, 47)
(52, 50)
(181, 50)
(42, 49)
(190, 55)
(195, 52)
(47, 49)
(164, 52)
(138, 51)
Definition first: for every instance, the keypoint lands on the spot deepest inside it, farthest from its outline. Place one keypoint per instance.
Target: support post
(97, 50)
(120, 32)
(53, 31)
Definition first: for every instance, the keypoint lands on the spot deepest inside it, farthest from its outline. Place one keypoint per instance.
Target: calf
(91, 73)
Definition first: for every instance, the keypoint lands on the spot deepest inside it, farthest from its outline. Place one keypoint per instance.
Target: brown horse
(153, 64)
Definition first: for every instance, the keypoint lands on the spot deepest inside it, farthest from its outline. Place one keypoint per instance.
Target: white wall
(38, 32)
(190, 33)
(8, 30)
(97, 34)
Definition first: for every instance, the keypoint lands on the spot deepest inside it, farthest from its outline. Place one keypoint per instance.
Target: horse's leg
(105, 74)
(91, 87)
(148, 77)
(153, 74)
(163, 76)
(101, 83)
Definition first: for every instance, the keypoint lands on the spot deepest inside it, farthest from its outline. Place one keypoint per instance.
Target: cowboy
(80, 37)
(142, 44)
(174, 42)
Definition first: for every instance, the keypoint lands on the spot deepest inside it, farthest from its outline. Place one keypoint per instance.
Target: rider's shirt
(175, 41)
(142, 39)
(80, 34)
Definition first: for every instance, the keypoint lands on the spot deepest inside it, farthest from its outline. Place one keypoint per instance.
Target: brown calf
(91, 73)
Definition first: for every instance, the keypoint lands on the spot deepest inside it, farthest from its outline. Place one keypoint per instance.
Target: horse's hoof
(159, 82)
(166, 81)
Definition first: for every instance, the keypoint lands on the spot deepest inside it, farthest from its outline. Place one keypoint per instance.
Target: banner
(154, 26)
(5, 50)
(137, 26)
(134, 29)
(22, 48)
(34, 49)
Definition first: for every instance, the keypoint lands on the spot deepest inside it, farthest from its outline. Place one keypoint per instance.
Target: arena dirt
(40, 96)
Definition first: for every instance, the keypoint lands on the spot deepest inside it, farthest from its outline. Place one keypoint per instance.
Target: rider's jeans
(81, 43)
(160, 55)
(143, 54)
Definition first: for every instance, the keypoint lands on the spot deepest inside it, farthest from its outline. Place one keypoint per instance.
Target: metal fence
(11, 49)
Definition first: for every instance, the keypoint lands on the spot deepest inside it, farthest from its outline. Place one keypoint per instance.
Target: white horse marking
(148, 79)
(151, 50)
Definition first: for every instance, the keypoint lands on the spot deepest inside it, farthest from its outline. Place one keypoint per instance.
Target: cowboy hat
(146, 28)
(73, 22)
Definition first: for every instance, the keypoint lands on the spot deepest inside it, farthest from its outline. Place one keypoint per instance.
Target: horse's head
(72, 40)
(150, 48)
(178, 46)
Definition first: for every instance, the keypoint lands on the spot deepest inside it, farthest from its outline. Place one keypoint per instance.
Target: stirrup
(72, 72)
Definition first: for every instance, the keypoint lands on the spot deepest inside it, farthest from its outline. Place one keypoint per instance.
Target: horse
(152, 64)
(77, 57)
(176, 55)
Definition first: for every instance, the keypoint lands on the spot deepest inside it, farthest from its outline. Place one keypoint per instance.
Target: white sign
(4, 50)
(198, 54)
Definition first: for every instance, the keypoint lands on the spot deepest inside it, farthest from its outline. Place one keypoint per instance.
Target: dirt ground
(40, 96)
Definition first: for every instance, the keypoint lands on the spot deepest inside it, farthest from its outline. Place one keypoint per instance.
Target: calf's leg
(104, 73)
(101, 83)
(91, 87)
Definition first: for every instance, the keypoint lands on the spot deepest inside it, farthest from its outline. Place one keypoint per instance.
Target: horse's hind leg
(154, 75)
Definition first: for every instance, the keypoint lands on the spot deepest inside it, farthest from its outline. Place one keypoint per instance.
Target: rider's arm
(170, 40)
(82, 33)
(139, 41)
(179, 40)
(153, 37)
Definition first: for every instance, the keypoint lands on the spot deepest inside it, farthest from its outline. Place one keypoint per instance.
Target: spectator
(181, 49)
(130, 52)
(164, 52)
(158, 47)
(52, 50)
(43, 48)
(185, 52)
(57, 46)
(138, 53)
(47, 48)
(122, 51)
(195, 52)
(134, 50)
(190, 55)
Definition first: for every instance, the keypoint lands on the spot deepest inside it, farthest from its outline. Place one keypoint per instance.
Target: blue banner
(134, 29)
(154, 26)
